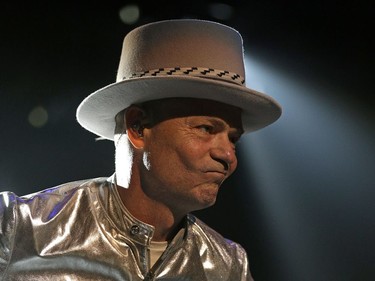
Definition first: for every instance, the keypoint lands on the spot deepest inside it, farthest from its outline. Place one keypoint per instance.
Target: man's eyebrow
(221, 123)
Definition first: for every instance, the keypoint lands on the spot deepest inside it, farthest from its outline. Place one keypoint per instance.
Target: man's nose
(224, 152)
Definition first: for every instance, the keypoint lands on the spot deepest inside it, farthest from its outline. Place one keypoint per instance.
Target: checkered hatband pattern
(191, 71)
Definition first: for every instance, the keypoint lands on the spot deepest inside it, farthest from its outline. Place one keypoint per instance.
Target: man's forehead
(163, 109)
(190, 106)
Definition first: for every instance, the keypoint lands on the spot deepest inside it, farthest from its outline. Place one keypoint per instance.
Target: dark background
(318, 221)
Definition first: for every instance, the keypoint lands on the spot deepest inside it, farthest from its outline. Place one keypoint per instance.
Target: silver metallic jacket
(82, 231)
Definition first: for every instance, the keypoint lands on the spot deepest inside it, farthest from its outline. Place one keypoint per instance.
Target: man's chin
(208, 196)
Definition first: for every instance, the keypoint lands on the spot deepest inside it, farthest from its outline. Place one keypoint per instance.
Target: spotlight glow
(38, 117)
(318, 158)
(129, 14)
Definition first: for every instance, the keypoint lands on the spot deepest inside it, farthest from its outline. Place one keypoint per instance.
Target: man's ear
(134, 119)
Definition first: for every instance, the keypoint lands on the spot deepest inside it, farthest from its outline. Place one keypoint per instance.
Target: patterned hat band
(191, 71)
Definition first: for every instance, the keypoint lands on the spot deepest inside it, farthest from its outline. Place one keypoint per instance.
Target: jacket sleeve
(7, 229)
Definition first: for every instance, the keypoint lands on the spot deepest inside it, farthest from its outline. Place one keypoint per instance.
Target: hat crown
(181, 43)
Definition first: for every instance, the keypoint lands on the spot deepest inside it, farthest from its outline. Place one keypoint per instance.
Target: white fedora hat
(178, 58)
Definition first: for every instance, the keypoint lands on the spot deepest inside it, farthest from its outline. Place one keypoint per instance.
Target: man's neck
(152, 212)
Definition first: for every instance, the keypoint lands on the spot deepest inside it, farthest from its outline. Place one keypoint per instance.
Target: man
(175, 114)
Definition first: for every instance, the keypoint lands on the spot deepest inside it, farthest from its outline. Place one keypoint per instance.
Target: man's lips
(216, 172)
(217, 176)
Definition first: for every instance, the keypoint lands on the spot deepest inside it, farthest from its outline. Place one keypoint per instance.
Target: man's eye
(205, 128)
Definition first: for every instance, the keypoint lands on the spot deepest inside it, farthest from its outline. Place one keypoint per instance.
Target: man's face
(189, 150)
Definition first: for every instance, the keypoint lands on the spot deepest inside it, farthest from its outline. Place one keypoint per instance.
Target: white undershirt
(156, 250)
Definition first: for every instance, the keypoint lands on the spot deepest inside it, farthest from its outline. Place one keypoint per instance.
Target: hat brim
(97, 111)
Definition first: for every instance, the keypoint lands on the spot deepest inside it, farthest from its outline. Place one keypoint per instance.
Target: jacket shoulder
(208, 233)
(61, 189)
(17, 213)
(230, 256)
